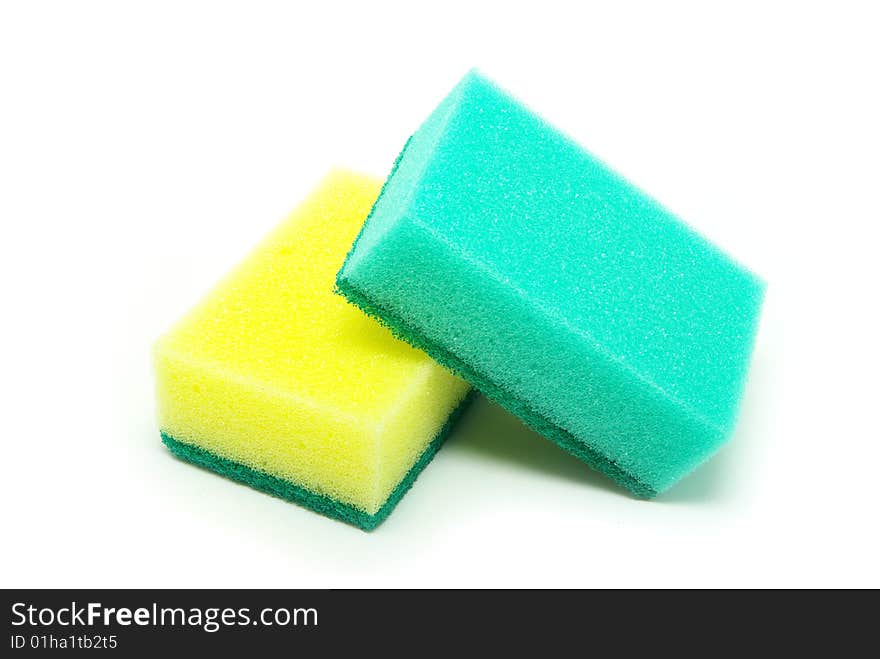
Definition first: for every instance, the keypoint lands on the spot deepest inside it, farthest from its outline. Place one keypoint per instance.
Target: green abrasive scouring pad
(517, 259)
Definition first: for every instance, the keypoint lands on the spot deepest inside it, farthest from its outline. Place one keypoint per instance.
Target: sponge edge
(559, 289)
(274, 381)
(284, 489)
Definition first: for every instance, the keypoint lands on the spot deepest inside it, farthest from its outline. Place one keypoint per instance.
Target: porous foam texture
(275, 381)
(524, 264)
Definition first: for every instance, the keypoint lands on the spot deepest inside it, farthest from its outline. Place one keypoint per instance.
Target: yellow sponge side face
(274, 371)
(415, 417)
(265, 429)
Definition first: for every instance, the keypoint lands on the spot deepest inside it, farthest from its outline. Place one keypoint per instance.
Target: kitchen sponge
(524, 264)
(274, 381)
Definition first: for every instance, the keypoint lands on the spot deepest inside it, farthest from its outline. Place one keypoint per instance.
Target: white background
(144, 150)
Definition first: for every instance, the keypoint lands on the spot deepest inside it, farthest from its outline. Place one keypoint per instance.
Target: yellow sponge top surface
(275, 318)
(275, 371)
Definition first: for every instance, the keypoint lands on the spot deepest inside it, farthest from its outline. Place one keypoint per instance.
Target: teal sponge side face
(516, 258)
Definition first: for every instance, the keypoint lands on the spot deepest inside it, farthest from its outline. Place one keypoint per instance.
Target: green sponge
(524, 264)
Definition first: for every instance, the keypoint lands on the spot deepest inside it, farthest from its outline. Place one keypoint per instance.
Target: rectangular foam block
(523, 263)
(275, 381)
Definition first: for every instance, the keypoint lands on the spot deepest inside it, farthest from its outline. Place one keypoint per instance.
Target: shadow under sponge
(517, 259)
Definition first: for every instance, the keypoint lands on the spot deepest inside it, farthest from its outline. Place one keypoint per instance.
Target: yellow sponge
(275, 381)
